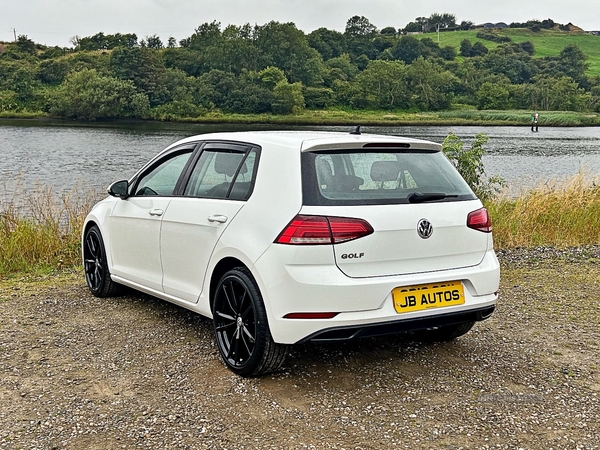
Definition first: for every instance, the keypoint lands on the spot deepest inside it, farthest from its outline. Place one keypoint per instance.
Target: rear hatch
(410, 195)
(395, 246)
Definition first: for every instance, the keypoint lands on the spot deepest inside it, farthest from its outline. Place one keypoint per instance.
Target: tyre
(97, 275)
(444, 333)
(241, 327)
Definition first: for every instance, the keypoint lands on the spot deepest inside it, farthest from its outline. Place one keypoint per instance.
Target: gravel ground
(79, 372)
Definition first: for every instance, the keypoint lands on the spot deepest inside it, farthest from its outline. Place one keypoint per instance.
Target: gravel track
(77, 372)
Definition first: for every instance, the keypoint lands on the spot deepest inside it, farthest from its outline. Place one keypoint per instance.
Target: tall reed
(40, 229)
(554, 214)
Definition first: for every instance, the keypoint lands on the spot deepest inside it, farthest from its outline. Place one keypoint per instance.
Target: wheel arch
(222, 267)
(89, 224)
(91, 221)
(86, 226)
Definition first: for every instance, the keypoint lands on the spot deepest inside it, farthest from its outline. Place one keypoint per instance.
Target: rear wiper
(420, 197)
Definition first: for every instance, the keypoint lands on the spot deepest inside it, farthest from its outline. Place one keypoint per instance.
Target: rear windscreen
(380, 177)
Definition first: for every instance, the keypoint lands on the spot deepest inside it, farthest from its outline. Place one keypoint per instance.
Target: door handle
(156, 212)
(217, 218)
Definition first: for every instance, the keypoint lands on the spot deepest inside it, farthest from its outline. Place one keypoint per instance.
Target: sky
(55, 22)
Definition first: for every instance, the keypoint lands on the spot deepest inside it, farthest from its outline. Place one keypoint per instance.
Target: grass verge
(40, 231)
(461, 115)
(560, 215)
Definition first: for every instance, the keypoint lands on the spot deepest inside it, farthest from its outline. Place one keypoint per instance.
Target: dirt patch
(79, 372)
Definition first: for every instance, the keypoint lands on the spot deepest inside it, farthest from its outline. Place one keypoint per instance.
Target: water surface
(63, 154)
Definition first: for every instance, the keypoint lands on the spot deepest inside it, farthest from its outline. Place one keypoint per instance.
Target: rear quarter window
(378, 177)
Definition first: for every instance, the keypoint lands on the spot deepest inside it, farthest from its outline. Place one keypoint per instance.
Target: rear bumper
(347, 333)
(363, 306)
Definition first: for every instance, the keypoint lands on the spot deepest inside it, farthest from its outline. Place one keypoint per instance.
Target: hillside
(545, 42)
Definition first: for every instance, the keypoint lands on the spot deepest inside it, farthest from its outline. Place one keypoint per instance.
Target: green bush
(470, 165)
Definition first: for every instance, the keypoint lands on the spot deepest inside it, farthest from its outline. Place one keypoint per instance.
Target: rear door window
(223, 173)
(379, 177)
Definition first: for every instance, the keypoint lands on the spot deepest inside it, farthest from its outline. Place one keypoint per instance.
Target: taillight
(480, 220)
(315, 230)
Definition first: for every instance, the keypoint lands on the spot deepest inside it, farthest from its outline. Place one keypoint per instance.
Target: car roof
(312, 140)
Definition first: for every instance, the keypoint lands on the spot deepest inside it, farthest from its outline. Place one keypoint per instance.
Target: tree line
(277, 68)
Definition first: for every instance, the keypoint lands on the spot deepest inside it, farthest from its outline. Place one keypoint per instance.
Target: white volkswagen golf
(288, 237)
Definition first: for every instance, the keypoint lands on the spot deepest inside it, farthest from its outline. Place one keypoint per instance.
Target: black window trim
(158, 160)
(218, 145)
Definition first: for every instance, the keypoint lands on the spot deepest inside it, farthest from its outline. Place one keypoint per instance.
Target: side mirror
(119, 189)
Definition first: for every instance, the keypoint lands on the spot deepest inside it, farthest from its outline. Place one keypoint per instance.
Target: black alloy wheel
(241, 328)
(97, 275)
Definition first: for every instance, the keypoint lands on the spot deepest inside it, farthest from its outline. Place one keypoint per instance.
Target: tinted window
(162, 179)
(377, 177)
(222, 174)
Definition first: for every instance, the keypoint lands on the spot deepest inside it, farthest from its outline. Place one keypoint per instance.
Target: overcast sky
(54, 22)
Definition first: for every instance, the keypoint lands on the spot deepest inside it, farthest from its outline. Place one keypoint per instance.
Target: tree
(567, 95)
(388, 31)
(512, 61)
(444, 21)
(341, 68)
(466, 25)
(479, 49)
(422, 22)
(572, 62)
(190, 61)
(214, 88)
(413, 27)
(384, 84)
(359, 34)
(360, 26)
(284, 46)
(408, 49)
(206, 35)
(154, 42)
(431, 86)
(556, 93)
(447, 53)
(100, 41)
(466, 48)
(87, 95)
(271, 77)
(288, 98)
(234, 52)
(8, 101)
(54, 71)
(329, 43)
(26, 45)
(144, 68)
(528, 47)
(20, 76)
(250, 98)
(317, 98)
(547, 24)
(492, 96)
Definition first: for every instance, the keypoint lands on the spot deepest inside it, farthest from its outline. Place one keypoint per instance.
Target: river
(65, 155)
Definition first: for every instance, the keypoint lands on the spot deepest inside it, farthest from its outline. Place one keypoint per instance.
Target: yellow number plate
(426, 296)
